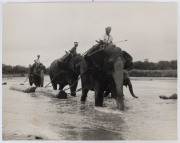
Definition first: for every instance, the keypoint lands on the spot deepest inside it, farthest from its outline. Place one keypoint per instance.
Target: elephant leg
(61, 86)
(99, 97)
(30, 81)
(84, 95)
(36, 84)
(41, 79)
(54, 84)
(73, 88)
(99, 91)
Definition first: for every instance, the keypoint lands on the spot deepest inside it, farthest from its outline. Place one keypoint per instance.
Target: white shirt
(106, 38)
(37, 61)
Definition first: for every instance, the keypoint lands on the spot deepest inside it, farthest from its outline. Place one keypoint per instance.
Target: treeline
(161, 65)
(153, 73)
(8, 69)
(138, 65)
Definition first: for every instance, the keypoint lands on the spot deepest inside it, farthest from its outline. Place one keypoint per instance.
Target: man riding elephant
(36, 74)
(66, 70)
(36, 62)
(102, 69)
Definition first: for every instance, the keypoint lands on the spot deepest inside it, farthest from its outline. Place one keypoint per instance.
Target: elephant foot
(98, 105)
(82, 102)
(120, 105)
(83, 99)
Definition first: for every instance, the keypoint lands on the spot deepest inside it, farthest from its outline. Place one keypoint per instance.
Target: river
(26, 116)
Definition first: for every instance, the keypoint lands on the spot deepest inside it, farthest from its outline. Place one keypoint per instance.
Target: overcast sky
(50, 29)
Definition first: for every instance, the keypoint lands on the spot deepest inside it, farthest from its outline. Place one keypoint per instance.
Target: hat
(38, 55)
(109, 27)
(75, 42)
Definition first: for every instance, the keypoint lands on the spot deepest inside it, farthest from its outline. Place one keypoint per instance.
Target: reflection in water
(27, 116)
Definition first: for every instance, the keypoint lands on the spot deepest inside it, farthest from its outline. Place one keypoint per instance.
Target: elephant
(126, 82)
(37, 75)
(102, 69)
(65, 71)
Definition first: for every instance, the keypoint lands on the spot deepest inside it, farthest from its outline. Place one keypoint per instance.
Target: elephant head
(107, 65)
(37, 76)
(39, 68)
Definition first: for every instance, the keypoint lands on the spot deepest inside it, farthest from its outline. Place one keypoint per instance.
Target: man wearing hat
(107, 37)
(73, 49)
(36, 62)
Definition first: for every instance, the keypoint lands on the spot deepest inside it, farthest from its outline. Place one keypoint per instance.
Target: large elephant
(65, 71)
(103, 69)
(126, 82)
(37, 75)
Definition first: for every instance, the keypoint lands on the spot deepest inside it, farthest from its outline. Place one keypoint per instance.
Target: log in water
(27, 89)
(23, 88)
(55, 93)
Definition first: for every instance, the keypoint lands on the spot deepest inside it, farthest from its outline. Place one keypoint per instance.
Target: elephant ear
(95, 60)
(128, 60)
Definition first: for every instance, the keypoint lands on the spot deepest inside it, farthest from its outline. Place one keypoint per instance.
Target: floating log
(23, 88)
(27, 89)
(55, 93)
(4, 83)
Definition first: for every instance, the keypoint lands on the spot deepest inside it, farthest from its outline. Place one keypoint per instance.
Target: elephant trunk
(117, 91)
(41, 78)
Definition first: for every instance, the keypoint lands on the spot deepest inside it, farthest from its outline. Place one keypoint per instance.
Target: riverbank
(13, 75)
(16, 75)
(153, 73)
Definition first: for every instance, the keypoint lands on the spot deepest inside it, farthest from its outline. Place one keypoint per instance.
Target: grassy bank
(153, 73)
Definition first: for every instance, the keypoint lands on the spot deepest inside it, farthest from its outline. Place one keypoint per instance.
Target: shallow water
(29, 115)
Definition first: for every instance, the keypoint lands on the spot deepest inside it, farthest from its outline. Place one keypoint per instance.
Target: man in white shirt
(73, 49)
(107, 37)
(37, 61)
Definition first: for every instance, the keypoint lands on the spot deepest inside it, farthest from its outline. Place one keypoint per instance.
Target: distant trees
(8, 69)
(161, 65)
(146, 65)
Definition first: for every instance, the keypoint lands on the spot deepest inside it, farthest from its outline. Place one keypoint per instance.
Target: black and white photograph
(89, 71)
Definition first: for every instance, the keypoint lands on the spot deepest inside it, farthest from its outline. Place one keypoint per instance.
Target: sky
(50, 29)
